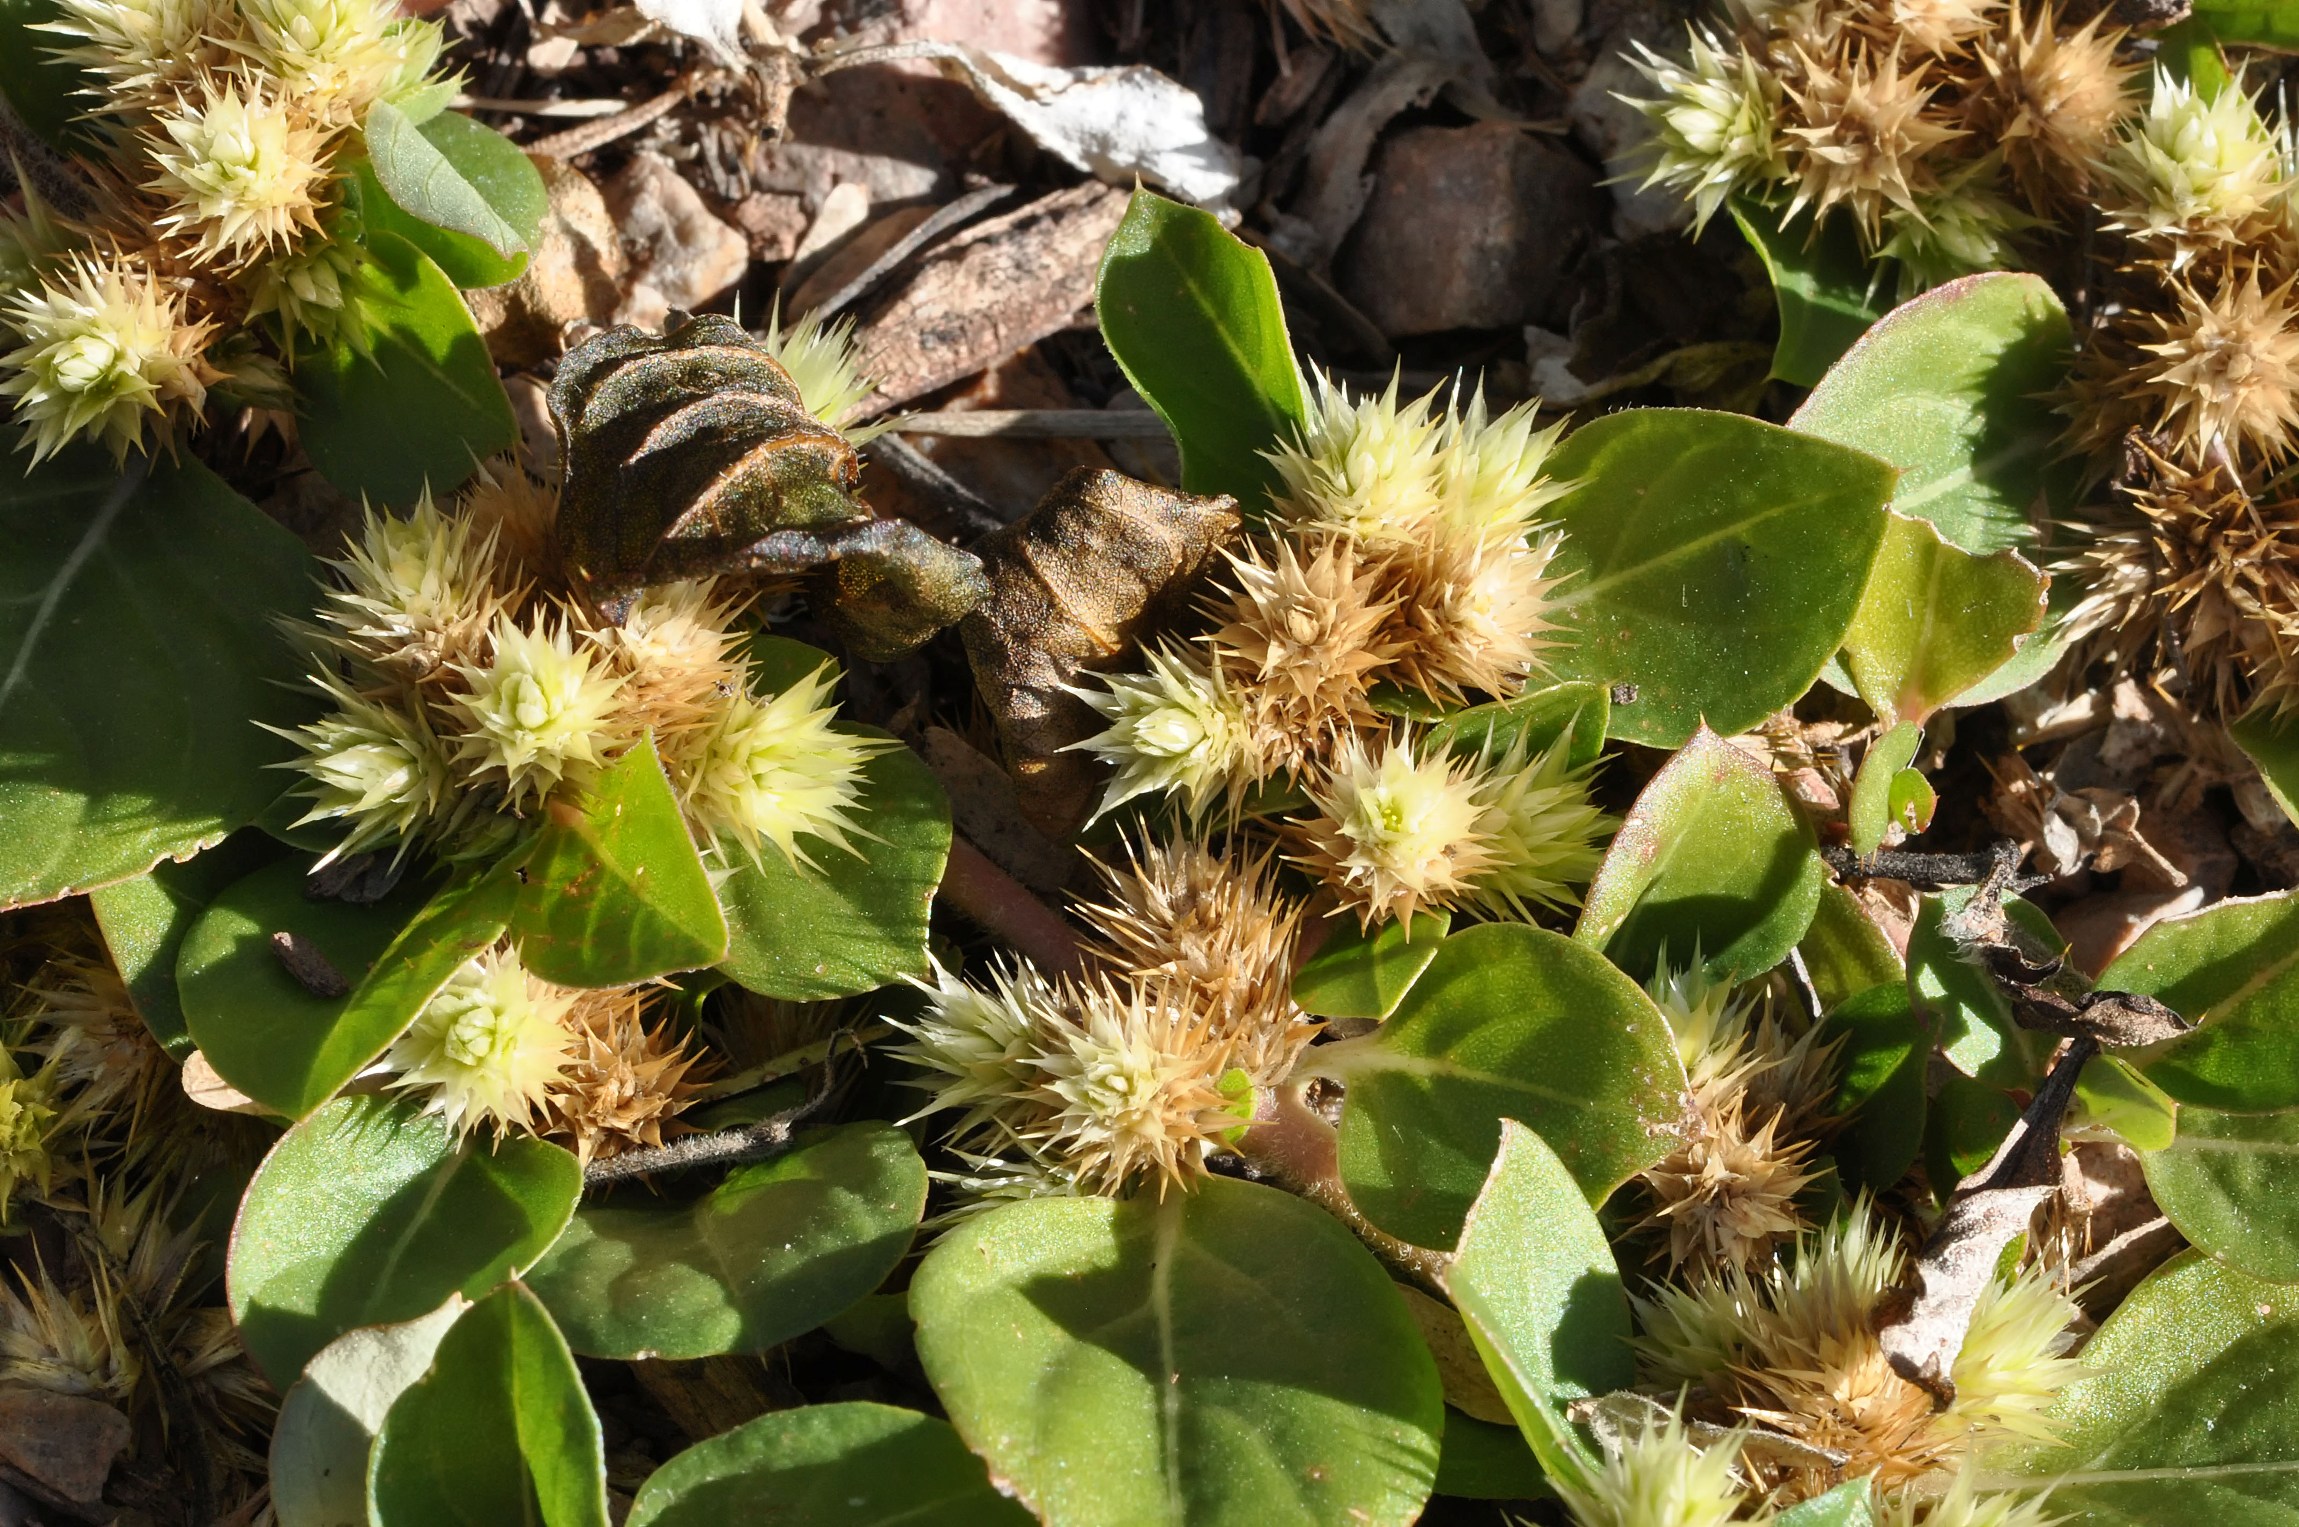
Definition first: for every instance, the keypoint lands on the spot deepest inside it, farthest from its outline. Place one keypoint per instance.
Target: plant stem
(1296, 1149)
(1005, 907)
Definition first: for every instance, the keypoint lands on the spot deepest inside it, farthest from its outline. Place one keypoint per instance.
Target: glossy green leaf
(2189, 51)
(2273, 744)
(849, 1465)
(1509, 1022)
(1935, 620)
(1228, 1355)
(2258, 23)
(492, 165)
(614, 892)
(2189, 1410)
(1826, 291)
(370, 1212)
(1848, 1505)
(139, 649)
(2111, 1094)
(1910, 800)
(772, 1252)
(1969, 1019)
(144, 921)
(328, 1419)
(428, 184)
(1535, 1280)
(1192, 315)
(1356, 975)
(1710, 560)
(1880, 1092)
(1844, 951)
(858, 921)
(499, 1431)
(1537, 719)
(1953, 387)
(1485, 1461)
(287, 1048)
(2232, 970)
(1869, 814)
(44, 90)
(417, 403)
(1714, 861)
(2230, 1182)
(1964, 1122)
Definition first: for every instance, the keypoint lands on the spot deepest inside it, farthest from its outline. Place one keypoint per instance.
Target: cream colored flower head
(303, 287)
(489, 1048)
(242, 172)
(1179, 728)
(1367, 467)
(1543, 832)
(106, 352)
(1658, 1476)
(540, 710)
(416, 596)
(27, 1115)
(2197, 165)
(374, 767)
(1398, 833)
(779, 768)
(336, 57)
(974, 1045)
(822, 363)
(147, 51)
(1713, 122)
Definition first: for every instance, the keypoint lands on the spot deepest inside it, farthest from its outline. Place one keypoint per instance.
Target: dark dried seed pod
(1073, 584)
(691, 454)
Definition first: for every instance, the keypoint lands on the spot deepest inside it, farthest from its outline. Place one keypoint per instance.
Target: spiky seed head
(490, 1048)
(1965, 1504)
(821, 360)
(520, 515)
(1365, 467)
(1473, 615)
(1941, 28)
(303, 287)
(375, 766)
(1398, 833)
(102, 1066)
(31, 242)
(541, 709)
(1492, 469)
(775, 769)
(1659, 1477)
(1964, 226)
(1727, 1196)
(2053, 101)
(242, 173)
(1218, 929)
(1542, 831)
(682, 667)
(1302, 635)
(338, 57)
(415, 598)
(147, 51)
(2013, 1360)
(626, 1080)
(974, 1045)
(2199, 166)
(1714, 122)
(27, 1120)
(1180, 728)
(1132, 1086)
(106, 352)
(1015, 1174)
(2226, 368)
(1865, 139)
(66, 1341)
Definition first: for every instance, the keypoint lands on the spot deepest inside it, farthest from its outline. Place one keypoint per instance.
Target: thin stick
(738, 1146)
(1036, 424)
(576, 141)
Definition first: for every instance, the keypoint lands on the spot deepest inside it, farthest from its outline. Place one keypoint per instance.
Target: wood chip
(61, 1444)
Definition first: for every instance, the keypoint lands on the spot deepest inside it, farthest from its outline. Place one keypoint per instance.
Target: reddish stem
(1005, 907)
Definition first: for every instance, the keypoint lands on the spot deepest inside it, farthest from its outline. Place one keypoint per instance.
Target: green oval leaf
(144, 921)
(1192, 315)
(369, 1212)
(1824, 287)
(2190, 1411)
(1485, 1461)
(614, 892)
(2261, 23)
(1713, 860)
(1509, 1022)
(1869, 814)
(1885, 1050)
(1354, 974)
(1535, 1280)
(857, 922)
(1844, 951)
(1935, 620)
(1969, 1019)
(426, 183)
(1225, 1355)
(138, 650)
(498, 1431)
(416, 402)
(1710, 560)
(328, 1419)
(2230, 1182)
(1848, 1505)
(2233, 971)
(850, 1465)
(288, 1049)
(2272, 742)
(505, 178)
(1953, 388)
(772, 1252)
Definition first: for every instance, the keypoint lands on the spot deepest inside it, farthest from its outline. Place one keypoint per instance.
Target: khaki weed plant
(1459, 961)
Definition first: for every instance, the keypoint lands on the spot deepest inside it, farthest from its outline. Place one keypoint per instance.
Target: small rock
(681, 253)
(1057, 32)
(575, 275)
(1467, 228)
(1615, 132)
(773, 221)
(62, 1443)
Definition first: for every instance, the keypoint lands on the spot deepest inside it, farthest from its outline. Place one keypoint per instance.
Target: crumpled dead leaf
(2096, 827)
(1072, 583)
(1114, 123)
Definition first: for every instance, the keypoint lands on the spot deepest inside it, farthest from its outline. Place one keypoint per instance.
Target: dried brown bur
(1073, 583)
(691, 454)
